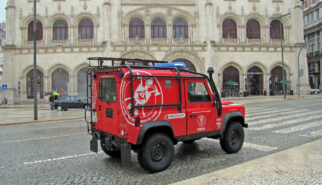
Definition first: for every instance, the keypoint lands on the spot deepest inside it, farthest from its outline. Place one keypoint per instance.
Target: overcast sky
(3, 10)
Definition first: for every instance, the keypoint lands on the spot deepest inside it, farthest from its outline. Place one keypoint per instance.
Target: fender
(228, 117)
(153, 125)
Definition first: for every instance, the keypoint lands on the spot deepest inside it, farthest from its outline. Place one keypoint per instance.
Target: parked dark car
(70, 102)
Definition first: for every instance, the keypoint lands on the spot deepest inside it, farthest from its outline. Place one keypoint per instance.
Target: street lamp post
(282, 52)
(298, 70)
(35, 62)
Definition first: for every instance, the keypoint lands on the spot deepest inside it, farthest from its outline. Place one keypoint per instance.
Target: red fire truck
(149, 106)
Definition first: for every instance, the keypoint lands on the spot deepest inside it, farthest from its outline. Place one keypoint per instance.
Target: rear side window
(107, 89)
(197, 92)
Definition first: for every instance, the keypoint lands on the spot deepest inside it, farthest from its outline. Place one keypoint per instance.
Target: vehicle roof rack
(125, 61)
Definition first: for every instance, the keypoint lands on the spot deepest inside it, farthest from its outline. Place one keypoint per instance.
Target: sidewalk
(298, 165)
(24, 114)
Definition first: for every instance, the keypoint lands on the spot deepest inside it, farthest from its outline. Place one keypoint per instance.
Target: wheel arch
(230, 117)
(155, 127)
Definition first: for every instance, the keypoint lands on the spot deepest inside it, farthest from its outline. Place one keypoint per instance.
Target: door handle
(99, 107)
(192, 116)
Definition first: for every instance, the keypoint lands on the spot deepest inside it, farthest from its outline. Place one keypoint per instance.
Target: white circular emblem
(146, 91)
(202, 121)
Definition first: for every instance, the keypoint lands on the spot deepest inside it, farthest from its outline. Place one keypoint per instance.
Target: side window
(197, 92)
(74, 98)
(107, 89)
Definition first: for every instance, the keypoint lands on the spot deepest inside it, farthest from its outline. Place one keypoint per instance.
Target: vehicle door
(200, 108)
(106, 105)
(76, 102)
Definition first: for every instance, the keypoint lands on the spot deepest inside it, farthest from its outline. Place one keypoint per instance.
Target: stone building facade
(239, 38)
(312, 32)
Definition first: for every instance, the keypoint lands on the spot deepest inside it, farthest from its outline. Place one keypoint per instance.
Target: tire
(156, 153)
(233, 138)
(87, 107)
(60, 108)
(114, 153)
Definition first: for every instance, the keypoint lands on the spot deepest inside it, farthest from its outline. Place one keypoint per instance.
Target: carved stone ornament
(20, 14)
(59, 7)
(254, 7)
(230, 7)
(147, 12)
(46, 12)
(278, 8)
(85, 6)
(72, 10)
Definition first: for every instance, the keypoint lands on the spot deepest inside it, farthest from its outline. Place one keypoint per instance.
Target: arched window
(275, 29)
(254, 82)
(30, 86)
(180, 28)
(253, 29)
(38, 29)
(137, 28)
(229, 30)
(231, 81)
(85, 29)
(60, 81)
(60, 30)
(158, 28)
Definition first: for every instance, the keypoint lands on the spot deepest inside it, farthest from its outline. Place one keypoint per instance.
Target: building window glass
(85, 29)
(229, 29)
(39, 31)
(276, 30)
(136, 28)
(180, 28)
(158, 28)
(253, 29)
(60, 30)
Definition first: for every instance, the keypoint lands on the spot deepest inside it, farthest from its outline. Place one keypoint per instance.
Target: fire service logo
(146, 91)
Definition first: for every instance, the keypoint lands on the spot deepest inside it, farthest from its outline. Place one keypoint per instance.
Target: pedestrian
(52, 101)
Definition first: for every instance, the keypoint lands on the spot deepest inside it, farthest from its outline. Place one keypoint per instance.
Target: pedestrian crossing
(289, 120)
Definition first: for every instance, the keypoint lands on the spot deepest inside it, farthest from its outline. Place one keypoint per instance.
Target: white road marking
(317, 133)
(283, 117)
(251, 146)
(32, 139)
(60, 158)
(268, 116)
(299, 127)
(259, 113)
(273, 125)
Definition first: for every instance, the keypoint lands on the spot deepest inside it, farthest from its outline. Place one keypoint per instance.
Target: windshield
(107, 89)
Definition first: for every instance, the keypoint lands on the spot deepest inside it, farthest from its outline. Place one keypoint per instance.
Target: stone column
(10, 23)
(107, 26)
(209, 21)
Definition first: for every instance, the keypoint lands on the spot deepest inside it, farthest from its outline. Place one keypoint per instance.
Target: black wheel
(87, 107)
(60, 108)
(233, 138)
(156, 153)
(111, 153)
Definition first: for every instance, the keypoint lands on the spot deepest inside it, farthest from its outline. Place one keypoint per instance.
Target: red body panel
(196, 117)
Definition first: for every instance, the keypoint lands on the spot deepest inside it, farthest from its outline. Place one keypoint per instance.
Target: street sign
(4, 86)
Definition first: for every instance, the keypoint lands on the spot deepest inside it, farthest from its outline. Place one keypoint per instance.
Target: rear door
(201, 112)
(106, 105)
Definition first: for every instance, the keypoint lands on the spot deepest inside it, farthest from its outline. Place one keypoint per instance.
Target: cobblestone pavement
(58, 152)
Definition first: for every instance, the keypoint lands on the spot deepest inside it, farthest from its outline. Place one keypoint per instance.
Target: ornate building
(239, 38)
(312, 32)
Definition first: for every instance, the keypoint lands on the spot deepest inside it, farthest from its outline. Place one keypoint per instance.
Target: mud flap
(93, 144)
(125, 154)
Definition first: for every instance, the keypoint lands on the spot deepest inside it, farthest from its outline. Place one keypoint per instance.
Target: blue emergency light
(180, 65)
